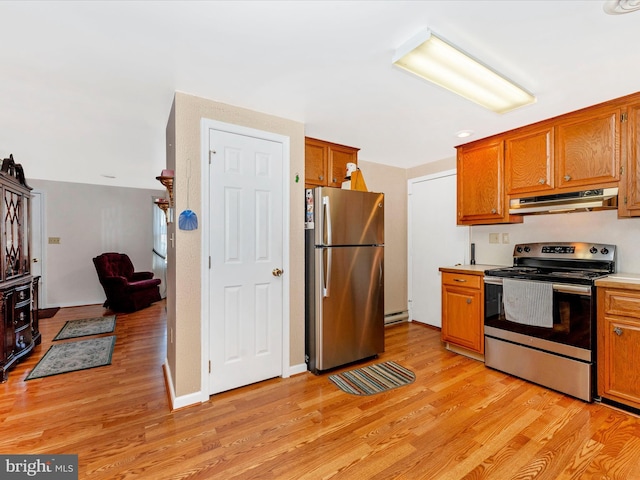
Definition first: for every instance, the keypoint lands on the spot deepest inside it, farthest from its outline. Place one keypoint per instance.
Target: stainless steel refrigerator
(344, 236)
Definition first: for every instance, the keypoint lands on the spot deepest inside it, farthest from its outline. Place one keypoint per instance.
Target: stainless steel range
(540, 314)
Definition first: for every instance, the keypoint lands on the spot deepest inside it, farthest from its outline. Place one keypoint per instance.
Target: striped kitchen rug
(373, 379)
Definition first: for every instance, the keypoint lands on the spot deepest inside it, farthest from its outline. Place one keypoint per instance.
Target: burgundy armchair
(126, 290)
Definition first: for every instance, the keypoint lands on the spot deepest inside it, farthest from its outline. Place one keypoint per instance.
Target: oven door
(573, 314)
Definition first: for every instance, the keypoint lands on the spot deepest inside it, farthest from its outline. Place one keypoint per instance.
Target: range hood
(585, 200)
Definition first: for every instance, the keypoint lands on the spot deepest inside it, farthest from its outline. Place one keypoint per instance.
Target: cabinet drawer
(23, 293)
(462, 280)
(622, 303)
(22, 316)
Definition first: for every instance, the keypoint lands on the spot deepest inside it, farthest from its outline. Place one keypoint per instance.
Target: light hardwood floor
(458, 420)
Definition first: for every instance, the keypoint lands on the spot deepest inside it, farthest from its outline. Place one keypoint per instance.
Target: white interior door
(37, 250)
(246, 249)
(434, 241)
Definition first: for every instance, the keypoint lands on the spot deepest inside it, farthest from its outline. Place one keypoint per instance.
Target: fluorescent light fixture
(431, 58)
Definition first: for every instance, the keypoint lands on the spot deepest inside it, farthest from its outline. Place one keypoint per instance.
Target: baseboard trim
(178, 403)
(297, 369)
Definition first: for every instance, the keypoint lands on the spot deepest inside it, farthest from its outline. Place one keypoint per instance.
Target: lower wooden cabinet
(19, 332)
(463, 310)
(619, 345)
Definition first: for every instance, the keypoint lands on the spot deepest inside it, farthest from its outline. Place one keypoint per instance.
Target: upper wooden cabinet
(481, 193)
(529, 160)
(629, 197)
(588, 148)
(596, 147)
(326, 162)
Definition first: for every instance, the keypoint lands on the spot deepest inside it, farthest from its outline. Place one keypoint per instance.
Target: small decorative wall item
(167, 181)
(163, 204)
(188, 220)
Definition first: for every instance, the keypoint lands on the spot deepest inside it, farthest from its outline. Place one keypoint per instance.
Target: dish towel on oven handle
(528, 302)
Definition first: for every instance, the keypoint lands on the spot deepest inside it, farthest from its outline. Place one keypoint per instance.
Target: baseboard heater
(396, 317)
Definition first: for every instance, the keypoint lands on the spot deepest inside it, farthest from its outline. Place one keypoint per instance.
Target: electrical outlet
(54, 240)
(494, 238)
(505, 238)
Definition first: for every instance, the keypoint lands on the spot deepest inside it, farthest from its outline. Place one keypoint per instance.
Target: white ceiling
(86, 87)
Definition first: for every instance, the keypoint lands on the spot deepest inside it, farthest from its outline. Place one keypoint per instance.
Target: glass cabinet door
(14, 232)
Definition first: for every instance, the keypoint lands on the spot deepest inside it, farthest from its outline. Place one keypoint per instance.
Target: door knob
(277, 272)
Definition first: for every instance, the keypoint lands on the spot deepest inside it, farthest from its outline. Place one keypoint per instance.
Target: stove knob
(593, 250)
(604, 250)
(519, 249)
(527, 249)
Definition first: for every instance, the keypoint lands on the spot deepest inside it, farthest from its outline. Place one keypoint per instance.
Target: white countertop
(477, 269)
(620, 280)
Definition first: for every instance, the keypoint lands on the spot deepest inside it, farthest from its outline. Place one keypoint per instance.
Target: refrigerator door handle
(327, 223)
(327, 274)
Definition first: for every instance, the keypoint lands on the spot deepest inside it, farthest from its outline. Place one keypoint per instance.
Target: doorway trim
(42, 244)
(206, 125)
(410, 248)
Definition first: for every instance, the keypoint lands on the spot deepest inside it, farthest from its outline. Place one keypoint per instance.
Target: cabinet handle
(541, 181)
(494, 211)
(567, 178)
(459, 280)
(321, 177)
(468, 301)
(335, 180)
(617, 331)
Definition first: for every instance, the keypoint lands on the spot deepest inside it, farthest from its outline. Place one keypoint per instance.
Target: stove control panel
(566, 251)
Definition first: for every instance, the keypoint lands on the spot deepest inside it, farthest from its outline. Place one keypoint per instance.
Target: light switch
(494, 238)
(505, 238)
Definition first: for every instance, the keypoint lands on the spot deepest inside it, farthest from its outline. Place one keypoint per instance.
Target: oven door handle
(493, 280)
(572, 289)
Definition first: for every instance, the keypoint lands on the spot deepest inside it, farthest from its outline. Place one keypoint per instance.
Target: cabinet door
(529, 161)
(461, 318)
(588, 149)
(316, 156)
(481, 193)
(618, 354)
(630, 198)
(339, 156)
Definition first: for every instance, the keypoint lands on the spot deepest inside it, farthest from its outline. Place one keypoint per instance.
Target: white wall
(597, 227)
(90, 220)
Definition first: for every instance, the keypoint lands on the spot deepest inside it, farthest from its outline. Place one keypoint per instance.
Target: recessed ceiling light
(464, 133)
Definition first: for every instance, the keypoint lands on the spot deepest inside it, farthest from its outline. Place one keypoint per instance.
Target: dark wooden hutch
(18, 289)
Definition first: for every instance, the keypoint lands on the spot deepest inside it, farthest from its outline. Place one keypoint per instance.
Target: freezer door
(348, 217)
(349, 304)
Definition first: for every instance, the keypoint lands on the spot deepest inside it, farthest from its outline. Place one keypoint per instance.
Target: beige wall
(391, 181)
(184, 355)
(431, 168)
